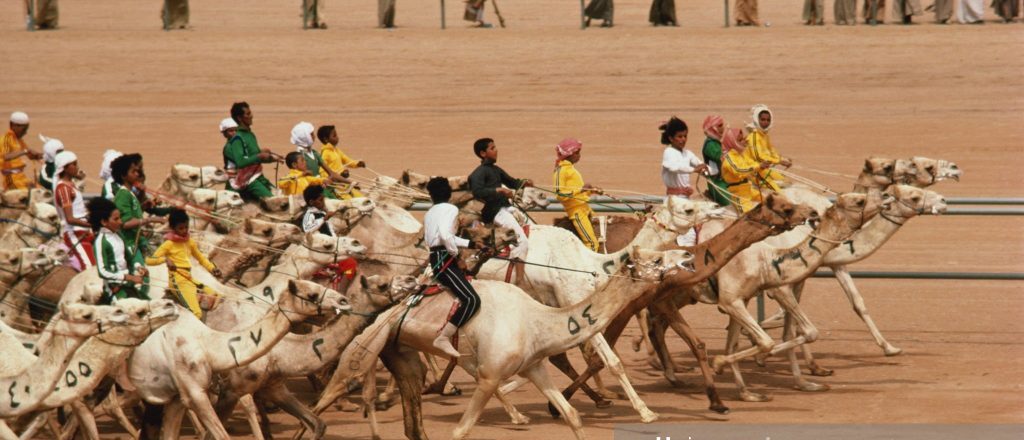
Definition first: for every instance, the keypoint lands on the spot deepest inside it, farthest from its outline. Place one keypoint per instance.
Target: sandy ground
(417, 97)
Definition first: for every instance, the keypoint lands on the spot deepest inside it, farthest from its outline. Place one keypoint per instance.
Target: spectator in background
(746, 13)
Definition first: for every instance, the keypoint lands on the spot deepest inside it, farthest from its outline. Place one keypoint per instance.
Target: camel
(300, 355)
(62, 337)
(175, 366)
(243, 248)
(185, 178)
(589, 271)
(15, 201)
(775, 215)
(511, 334)
(99, 355)
(390, 231)
(36, 225)
(20, 271)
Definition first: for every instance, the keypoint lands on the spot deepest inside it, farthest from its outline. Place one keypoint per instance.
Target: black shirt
(484, 182)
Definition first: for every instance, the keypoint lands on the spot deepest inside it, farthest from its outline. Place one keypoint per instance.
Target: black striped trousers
(447, 272)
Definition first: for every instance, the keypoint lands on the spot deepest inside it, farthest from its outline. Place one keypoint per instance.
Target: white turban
(108, 157)
(62, 160)
(19, 118)
(227, 123)
(755, 112)
(50, 148)
(302, 135)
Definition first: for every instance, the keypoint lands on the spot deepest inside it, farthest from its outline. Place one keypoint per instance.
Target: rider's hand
(506, 192)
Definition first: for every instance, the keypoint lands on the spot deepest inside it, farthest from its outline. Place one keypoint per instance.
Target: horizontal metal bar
(949, 200)
(1016, 276)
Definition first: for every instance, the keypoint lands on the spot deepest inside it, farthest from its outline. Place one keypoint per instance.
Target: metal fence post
(726, 12)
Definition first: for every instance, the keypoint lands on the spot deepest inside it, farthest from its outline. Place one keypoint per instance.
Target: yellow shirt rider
(337, 161)
(12, 148)
(739, 171)
(573, 193)
(760, 148)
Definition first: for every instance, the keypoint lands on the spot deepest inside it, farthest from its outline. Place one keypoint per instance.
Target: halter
(149, 322)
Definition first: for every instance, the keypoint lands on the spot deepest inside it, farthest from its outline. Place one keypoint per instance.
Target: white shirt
(439, 228)
(676, 167)
(314, 220)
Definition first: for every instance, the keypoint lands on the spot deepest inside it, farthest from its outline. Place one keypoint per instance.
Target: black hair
(177, 217)
(238, 110)
(670, 128)
(324, 132)
(311, 193)
(440, 190)
(100, 210)
(292, 157)
(481, 145)
(119, 167)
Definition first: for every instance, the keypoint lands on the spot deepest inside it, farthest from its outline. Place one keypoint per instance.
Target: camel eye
(788, 212)
(141, 313)
(916, 199)
(888, 168)
(88, 316)
(929, 168)
(860, 203)
(689, 211)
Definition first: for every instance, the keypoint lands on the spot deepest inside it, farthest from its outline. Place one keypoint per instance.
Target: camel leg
(816, 370)
(561, 361)
(152, 420)
(195, 398)
(517, 418)
(198, 425)
(731, 344)
(113, 406)
(738, 313)
(611, 333)
(641, 320)
(30, 431)
(539, 376)
(252, 415)
(173, 414)
(409, 371)
(485, 388)
(6, 433)
(279, 394)
(370, 402)
(799, 382)
(857, 301)
(699, 349)
(615, 365)
(86, 420)
(387, 397)
(663, 356)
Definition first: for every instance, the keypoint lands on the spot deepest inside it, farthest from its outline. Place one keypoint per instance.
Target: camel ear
(867, 165)
(293, 288)
(363, 283)
(769, 201)
(248, 226)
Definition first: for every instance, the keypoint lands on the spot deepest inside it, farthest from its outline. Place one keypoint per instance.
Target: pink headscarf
(712, 125)
(566, 148)
(733, 140)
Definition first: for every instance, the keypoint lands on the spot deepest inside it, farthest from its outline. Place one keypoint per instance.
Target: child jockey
(573, 193)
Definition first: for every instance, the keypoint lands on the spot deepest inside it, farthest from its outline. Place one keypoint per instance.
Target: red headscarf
(712, 126)
(733, 140)
(566, 148)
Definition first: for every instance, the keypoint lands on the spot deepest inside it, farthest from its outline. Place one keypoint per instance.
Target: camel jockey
(244, 159)
(131, 202)
(71, 210)
(486, 184)
(573, 193)
(316, 219)
(119, 273)
(676, 165)
(335, 160)
(12, 148)
(175, 252)
(760, 148)
(439, 227)
(739, 172)
(110, 187)
(47, 174)
(302, 138)
(718, 191)
(299, 177)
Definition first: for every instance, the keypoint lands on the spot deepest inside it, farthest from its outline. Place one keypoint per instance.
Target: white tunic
(439, 228)
(676, 167)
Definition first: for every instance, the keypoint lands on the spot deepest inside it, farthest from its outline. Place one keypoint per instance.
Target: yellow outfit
(739, 171)
(296, 182)
(178, 253)
(760, 149)
(336, 160)
(13, 171)
(569, 190)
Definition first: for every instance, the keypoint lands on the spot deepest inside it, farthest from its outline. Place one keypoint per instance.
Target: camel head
(459, 183)
(306, 299)
(11, 261)
(213, 176)
(44, 217)
(325, 249)
(903, 170)
(361, 205)
(414, 179)
(853, 209)
(215, 199)
(15, 198)
(187, 176)
(650, 265)
(380, 293)
(532, 198)
(680, 214)
(912, 201)
(930, 171)
(143, 318)
(84, 320)
(40, 193)
(781, 213)
(261, 230)
(878, 172)
(38, 258)
(55, 252)
(494, 237)
(276, 204)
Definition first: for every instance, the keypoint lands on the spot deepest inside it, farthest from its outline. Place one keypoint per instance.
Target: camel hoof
(648, 416)
(718, 364)
(750, 396)
(891, 350)
(603, 403)
(760, 360)
(611, 395)
(519, 419)
(719, 408)
(636, 345)
(555, 414)
(676, 383)
(382, 405)
(821, 372)
(654, 363)
(812, 387)
(319, 430)
(455, 391)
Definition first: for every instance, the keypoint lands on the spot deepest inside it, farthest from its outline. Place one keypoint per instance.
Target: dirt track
(417, 97)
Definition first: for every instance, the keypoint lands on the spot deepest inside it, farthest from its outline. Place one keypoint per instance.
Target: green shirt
(46, 175)
(242, 150)
(713, 155)
(130, 209)
(313, 162)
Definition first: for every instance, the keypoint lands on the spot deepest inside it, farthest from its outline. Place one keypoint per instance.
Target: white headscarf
(755, 117)
(302, 136)
(62, 160)
(108, 158)
(227, 123)
(19, 118)
(51, 147)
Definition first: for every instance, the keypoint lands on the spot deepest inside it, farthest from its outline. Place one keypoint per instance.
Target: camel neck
(227, 350)
(298, 355)
(866, 240)
(26, 390)
(787, 266)
(87, 368)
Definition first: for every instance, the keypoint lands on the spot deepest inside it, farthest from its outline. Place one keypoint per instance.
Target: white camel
(185, 178)
(97, 358)
(553, 249)
(175, 366)
(35, 226)
(511, 335)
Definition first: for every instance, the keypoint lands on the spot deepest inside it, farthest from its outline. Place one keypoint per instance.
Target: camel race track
(416, 97)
